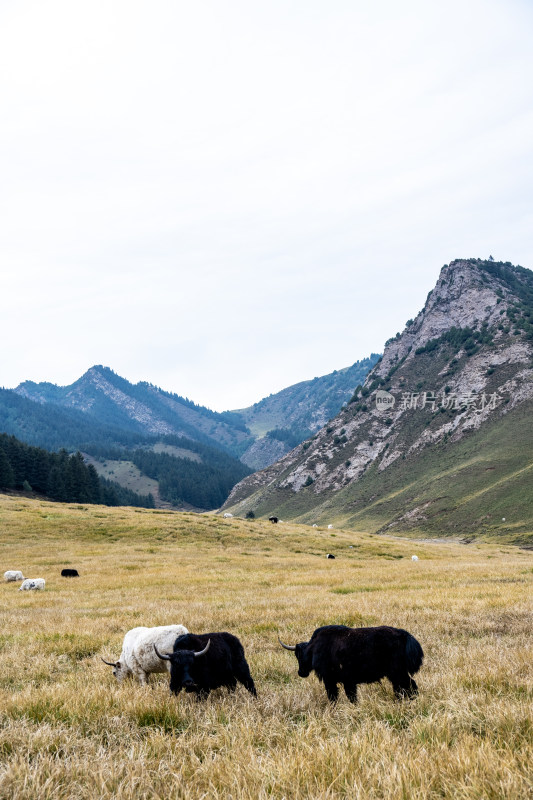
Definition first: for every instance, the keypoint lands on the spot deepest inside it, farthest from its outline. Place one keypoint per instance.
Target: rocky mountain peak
(463, 362)
(465, 296)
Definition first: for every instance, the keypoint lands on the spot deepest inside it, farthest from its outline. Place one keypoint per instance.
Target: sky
(224, 198)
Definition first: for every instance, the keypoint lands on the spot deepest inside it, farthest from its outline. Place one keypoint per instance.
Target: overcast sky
(224, 198)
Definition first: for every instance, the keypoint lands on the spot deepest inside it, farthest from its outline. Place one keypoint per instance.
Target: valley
(434, 438)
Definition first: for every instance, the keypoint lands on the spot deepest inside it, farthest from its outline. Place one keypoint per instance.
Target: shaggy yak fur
(350, 656)
(197, 667)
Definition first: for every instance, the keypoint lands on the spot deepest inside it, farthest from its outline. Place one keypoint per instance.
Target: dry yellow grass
(68, 731)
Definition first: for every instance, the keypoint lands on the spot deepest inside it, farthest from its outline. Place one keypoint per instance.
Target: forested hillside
(142, 432)
(53, 427)
(59, 476)
(181, 481)
(184, 481)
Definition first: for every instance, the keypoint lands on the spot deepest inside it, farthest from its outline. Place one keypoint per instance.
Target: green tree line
(60, 476)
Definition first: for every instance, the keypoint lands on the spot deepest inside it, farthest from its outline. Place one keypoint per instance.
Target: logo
(384, 400)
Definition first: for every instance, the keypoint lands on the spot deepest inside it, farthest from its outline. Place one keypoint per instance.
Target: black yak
(69, 573)
(273, 519)
(206, 661)
(350, 656)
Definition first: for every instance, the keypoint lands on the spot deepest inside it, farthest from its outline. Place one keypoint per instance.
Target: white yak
(32, 583)
(13, 575)
(138, 657)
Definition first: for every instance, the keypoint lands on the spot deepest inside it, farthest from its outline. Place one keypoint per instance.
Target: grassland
(126, 474)
(68, 731)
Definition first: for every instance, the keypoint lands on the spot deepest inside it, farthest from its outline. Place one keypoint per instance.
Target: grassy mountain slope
(453, 454)
(126, 474)
(461, 488)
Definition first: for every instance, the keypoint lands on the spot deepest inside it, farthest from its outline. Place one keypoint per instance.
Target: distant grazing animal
(138, 658)
(70, 573)
(206, 661)
(227, 515)
(32, 583)
(13, 575)
(272, 519)
(350, 656)
(330, 556)
(330, 527)
(414, 558)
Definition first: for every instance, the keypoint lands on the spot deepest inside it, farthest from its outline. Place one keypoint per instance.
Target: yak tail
(414, 655)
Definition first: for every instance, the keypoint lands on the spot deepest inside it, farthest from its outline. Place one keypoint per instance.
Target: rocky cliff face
(94, 379)
(263, 452)
(464, 361)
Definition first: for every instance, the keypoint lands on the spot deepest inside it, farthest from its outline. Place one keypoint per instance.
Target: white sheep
(32, 583)
(414, 558)
(13, 575)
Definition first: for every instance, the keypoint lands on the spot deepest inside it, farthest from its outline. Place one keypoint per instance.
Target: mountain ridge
(144, 409)
(141, 407)
(117, 424)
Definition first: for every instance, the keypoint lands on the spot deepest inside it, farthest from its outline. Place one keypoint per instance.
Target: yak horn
(109, 663)
(287, 646)
(204, 651)
(164, 657)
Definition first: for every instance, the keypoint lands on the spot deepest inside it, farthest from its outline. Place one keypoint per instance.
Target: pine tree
(78, 479)
(94, 485)
(55, 488)
(7, 476)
